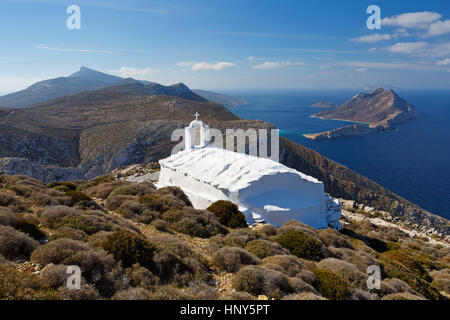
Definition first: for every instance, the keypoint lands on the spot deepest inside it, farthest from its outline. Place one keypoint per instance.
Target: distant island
(379, 110)
(325, 105)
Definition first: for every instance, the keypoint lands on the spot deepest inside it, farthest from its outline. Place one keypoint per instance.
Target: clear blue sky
(228, 44)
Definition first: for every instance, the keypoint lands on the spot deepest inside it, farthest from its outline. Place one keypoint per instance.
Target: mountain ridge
(86, 79)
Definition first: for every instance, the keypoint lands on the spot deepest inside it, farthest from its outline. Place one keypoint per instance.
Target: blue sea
(413, 162)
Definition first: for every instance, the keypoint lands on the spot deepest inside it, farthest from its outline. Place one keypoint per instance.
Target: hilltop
(176, 252)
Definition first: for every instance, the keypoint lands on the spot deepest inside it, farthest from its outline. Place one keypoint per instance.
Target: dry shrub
(93, 263)
(402, 296)
(160, 225)
(141, 277)
(268, 231)
(360, 259)
(177, 193)
(389, 286)
(289, 265)
(134, 189)
(161, 202)
(258, 281)
(113, 203)
(232, 259)
(346, 270)
(359, 294)
(103, 190)
(69, 233)
(167, 292)
(199, 290)
(54, 275)
(137, 211)
(15, 285)
(8, 200)
(51, 216)
(14, 244)
(198, 223)
(90, 222)
(299, 286)
(441, 280)
(132, 294)
(263, 248)
(236, 238)
(86, 292)
(309, 296)
(333, 238)
(26, 224)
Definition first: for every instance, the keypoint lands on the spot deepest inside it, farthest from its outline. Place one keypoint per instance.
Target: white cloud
(324, 67)
(127, 72)
(422, 49)
(438, 28)
(210, 66)
(387, 65)
(412, 20)
(44, 47)
(273, 65)
(361, 69)
(372, 38)
(185, 64)
(407, 47)
(251, 58)
(196, 66)
(444, 62)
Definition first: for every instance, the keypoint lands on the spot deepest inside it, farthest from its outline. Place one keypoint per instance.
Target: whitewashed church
(263, 189)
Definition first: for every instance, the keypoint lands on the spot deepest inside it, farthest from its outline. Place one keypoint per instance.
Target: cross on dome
(196, 116)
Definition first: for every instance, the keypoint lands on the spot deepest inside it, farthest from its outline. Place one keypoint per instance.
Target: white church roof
(224, 169)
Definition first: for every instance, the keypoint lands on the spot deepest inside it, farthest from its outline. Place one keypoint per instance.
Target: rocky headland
(380, 109)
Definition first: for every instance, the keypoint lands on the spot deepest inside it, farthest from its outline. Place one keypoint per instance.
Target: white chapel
(263, 189)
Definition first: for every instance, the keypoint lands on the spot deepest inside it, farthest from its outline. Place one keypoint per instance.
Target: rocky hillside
(134, 242)
(379, 108)
(92, 133)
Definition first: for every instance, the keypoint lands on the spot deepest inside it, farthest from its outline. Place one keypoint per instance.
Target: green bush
(264, 248)
(130, 248)
(331, 285)
(231, 259)
(301, 244)
(76, 196)
(228, 214)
